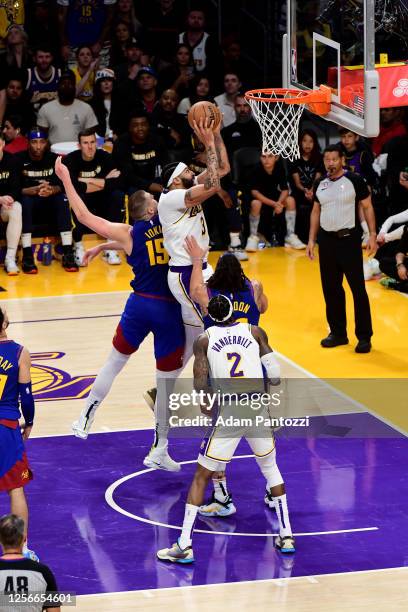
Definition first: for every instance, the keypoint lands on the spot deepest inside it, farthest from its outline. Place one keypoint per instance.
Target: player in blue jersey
(249, 302)
(150, 308)
(15, 383)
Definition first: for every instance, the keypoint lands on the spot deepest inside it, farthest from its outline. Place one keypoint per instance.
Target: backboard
(332, 42)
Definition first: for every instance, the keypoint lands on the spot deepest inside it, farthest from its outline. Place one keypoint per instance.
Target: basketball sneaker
(175, 554)
(69, 259)
(11, 267)
(112, 258)
(27, 263)
(82, 426)
(218, 508)
(285, 544)
(294, 242)
(79, 253)
(159, 459)
(149, 397)
(252, 244)
(30, 554)
(238, 252)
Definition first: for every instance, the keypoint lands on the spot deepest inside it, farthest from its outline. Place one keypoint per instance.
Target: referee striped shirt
(26, 576)
(338, 199)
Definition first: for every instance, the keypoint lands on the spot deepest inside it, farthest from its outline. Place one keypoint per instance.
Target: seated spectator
(359, 159)
(17, 568)
(42, 197)
(125, 12)
(140, 156)
(16, 56)
(95, 178)
(388, 241)
(85, 73)
(245, 131)
(206, 51)
(65, 117)
(178, 75)
(42, 27)
(225, 101)
(15, 140)
(391, 126)
(9, 15)
(234, 63)
(103, 101)
(134, 61)
(200, 89)
(397, 163)
(396, 267)
(17, 103)
(303, 173)
(43, 78)
(269, 188)
(121, 37)
(10, 207)
(164, 19)
(135, 93)
(146, 83)
(171, 126)
(94, 30)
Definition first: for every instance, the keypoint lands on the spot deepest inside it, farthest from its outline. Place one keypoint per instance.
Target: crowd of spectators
(122, 75)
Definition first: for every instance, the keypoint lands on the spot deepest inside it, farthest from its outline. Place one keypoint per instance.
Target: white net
(279, 121)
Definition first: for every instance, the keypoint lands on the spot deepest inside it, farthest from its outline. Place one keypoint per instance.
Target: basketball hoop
(278, 113)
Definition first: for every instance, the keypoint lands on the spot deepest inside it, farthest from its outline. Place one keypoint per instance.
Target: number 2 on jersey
(236, 358)
(156, 251)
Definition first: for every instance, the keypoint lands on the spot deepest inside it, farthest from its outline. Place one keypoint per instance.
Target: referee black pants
(340, 257)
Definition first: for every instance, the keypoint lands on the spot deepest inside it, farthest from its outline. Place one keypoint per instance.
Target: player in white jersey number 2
(181, 215)
(226, 352)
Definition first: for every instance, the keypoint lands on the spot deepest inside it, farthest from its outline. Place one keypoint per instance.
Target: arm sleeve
(27, 402)
(399, 218)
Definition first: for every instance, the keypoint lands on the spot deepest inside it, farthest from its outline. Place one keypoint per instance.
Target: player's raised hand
(193, 248)
(61, 170)
(204, 133)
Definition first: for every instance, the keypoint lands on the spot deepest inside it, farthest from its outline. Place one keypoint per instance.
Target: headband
(176, 172)
(228, 316)
(37, 134)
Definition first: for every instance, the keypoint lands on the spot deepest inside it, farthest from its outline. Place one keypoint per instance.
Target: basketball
(204, 111)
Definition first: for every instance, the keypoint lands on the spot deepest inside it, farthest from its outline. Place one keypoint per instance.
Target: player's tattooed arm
(212, 180)
(201, 368)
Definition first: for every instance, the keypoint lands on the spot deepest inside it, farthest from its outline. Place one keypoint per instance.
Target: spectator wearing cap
(140, 155)
(43, 78)
(65, 117)
(17, 103)
(206, 51)
(43, 198)
(146, 83)
(16, 141)
(172, 126)
(10, 207)
(75, 31)
(225, 101)
(96, 179)
(103, 101)
(140, 93)
(132, 64)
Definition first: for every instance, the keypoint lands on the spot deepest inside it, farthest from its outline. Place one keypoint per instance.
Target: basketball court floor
(97, 516)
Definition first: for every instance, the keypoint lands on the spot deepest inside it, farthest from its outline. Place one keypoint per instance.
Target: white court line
(260, 581)
(359, 405)
(111, 502)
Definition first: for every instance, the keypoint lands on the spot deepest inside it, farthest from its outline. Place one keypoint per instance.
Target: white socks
(253, 225)
(282, 513)
(234, 239)
(290, 216)
(190, 515)
(25, 240)
(66, 238)
(220, 489)
(165, 382)
(13, 219)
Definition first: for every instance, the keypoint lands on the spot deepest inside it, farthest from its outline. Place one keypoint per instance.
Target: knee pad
(270, 470)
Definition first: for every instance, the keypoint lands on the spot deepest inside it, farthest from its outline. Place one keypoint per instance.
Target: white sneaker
(82, 427)
(112, 258)
(294, 242)
(252, 244)
(371, 268)
(217, 508)
(11, 267)
(79, 253)
(159, 459)
(239, 253)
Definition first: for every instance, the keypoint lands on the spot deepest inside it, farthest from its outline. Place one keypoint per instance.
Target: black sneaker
(28, 264)
(332, 341)
(68, 259)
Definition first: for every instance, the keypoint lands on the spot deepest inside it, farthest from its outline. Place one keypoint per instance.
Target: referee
(334, 220)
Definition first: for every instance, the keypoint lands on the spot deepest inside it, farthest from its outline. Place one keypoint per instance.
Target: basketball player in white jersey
(181, 215)
(226, 351)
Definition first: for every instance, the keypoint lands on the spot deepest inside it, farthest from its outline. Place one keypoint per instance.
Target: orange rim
(318, 100)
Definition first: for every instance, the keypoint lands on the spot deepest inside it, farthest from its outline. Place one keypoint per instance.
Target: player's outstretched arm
(198, 288)
(119, 232)
(222, 156)
(268, 359)
(260, 298)
(199, 193)
(90, 254)
(201, 368)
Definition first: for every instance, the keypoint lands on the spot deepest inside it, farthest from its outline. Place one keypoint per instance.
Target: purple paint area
(332, 484)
